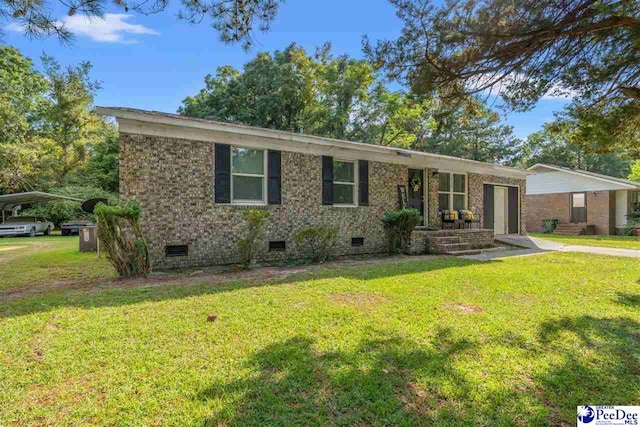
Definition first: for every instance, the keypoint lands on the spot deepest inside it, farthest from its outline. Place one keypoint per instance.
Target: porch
(450, 241)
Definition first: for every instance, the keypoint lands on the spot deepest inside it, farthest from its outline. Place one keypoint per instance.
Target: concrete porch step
(464, 252)
(445, 239)
(451, 247)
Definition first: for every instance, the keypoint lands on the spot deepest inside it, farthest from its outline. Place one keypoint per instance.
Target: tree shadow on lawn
(156, 289)
(630, 300)
(599, 364)
(373, 384)
(395, 381)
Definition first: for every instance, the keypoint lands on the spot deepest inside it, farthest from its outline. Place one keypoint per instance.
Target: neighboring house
(194, 178)
(583, 202)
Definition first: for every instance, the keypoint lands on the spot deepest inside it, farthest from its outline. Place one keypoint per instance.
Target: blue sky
(154, 62)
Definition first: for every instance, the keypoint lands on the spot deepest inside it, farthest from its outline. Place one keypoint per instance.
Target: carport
(9, 202)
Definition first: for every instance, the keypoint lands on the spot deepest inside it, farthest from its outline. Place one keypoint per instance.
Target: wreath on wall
(415, 183)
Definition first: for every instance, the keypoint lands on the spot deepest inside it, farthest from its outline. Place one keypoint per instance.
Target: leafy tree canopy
(523, 50)
(553, 145)
(50, 135)
(635, 171)
(341, 97)
(235, 20)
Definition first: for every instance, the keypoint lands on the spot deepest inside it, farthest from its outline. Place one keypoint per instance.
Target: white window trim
(451, 193)
(354, 184)
(244, 202)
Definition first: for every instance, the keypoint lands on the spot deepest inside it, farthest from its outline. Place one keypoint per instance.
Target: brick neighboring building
(596, 203)
(194, 178)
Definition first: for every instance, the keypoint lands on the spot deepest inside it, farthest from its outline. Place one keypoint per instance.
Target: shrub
(317, 242)
(250, 242)
(121, 238)
(399, 225)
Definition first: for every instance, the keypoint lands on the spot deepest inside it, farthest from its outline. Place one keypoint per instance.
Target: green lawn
(622, 242)
(400, 342)
(47, 260)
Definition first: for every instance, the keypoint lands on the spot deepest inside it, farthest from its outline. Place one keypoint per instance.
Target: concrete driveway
(534, 245)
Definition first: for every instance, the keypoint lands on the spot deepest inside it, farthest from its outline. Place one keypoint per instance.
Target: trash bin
(88, 238)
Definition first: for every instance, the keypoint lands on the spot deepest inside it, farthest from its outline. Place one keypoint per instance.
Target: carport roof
(10, 201)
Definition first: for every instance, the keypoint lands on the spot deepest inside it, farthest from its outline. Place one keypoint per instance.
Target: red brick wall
(546, 206)
(600, 210)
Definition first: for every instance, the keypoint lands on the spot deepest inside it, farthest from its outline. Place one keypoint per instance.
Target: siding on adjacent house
(563, 182)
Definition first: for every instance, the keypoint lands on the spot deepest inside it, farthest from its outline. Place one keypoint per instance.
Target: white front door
(500, 210)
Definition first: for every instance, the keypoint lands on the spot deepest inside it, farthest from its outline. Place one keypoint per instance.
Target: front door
(578, 207)
(500, 210)
(416, 190)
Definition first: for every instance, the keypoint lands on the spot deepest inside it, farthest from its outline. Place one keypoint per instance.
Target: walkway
(535, 245)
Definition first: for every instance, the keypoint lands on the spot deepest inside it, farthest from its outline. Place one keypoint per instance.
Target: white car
(25, 226)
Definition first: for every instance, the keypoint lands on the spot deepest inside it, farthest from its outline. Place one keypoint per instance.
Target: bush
(399, 225)
(116, 226)
(249, 244)
(317, 242)
(549, 225)
(630, 228)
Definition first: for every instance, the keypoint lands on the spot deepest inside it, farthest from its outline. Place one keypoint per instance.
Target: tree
(51, 137)
(235, 20)
(340, 97)
(22, 96)
(472, 132)
(272, 91)
(69, 122)
(523, 50)
(635, 171)
(552, 146)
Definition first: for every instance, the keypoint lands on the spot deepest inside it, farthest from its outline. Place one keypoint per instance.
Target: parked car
(25, 226)
(73, 227)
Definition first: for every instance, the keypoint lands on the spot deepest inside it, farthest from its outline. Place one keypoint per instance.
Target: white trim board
(172, 126)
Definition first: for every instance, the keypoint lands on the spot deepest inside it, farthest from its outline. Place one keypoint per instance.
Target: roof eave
(174, 120)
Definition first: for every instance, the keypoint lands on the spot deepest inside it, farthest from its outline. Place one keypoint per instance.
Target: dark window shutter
(274, 193)
(513, 203)
(488, 207)
(327, 180)
(223, 174)
(363, 183)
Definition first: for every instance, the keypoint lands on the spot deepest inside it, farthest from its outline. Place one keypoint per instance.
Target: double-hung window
(344, 182)
(248, 183)
(452, 191)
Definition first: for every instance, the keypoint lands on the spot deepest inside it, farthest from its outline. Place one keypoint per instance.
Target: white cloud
(112, 28)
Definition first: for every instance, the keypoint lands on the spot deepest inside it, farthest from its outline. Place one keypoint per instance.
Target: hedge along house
(194, 178)
(582, 202)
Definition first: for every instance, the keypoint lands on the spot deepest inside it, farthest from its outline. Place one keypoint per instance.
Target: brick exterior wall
(600, 210)
(173, 179)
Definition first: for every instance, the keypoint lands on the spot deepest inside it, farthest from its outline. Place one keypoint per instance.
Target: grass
(26, 261)
(622, 242)
(401, 342)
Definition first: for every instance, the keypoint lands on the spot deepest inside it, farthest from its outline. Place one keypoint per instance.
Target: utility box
(88, 238)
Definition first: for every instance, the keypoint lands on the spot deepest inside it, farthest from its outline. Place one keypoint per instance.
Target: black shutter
(513, 210)
(223, 174)
(274, 195)
(363, 183)
(488, 207)
(327, 180)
